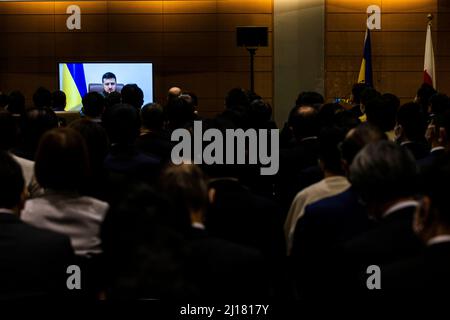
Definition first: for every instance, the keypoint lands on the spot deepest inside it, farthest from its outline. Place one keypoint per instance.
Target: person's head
(304, 122)
(192, 98)
(329, 154)
(357, 90)
(152, 116)
(367, 95)
(42, 98)
(109, 82)
(12, 184)
(380, 115)
(178, 113)
(237, 98)
(186, 187)
(16, 102)
(93, 104)
(411, 123)
(439, 104)
(58, 100)
(143, 252)
(173, 92)
(133, 95)
(356, 139)
(62, 161)
(309, 98)
(33, 124)
(259, 114)
(433, 217)
(8, 130)
(383, 173)
(122, 123)
(327, 114)
(112, 99)
(424, 93)
(96, 141)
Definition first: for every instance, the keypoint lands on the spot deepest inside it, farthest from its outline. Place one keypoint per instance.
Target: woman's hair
(62, 161)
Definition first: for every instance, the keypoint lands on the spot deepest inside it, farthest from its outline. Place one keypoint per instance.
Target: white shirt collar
(400, 205)
(310, 138)
(5, 210)
(437, 148)
(198, 225)
(405, 142)
(439, 239)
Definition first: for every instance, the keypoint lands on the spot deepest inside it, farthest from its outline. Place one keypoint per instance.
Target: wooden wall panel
(397, 49)
(191, 43)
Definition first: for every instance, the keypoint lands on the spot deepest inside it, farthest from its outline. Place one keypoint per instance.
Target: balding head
(304, 122)
(173, 92)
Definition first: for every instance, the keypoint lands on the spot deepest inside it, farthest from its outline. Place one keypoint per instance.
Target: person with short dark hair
(33, 261)
(93, 106)
(16, 102)
(62, 168)
(334, 181)
(309, 98)
(42, 98)
(133, 95)
(123, 123)
(154, 139)
(217, 267)
(385, 176)
(423, 96)
(410, 129)
(58, 100)
(428, 273)
(355, 98)
(179, 113)
(32, 125)
(109, 81)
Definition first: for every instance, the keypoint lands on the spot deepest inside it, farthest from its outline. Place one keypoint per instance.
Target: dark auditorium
(224, 156)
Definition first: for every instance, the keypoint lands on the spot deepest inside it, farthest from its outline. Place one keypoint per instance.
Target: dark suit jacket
(33, 262)
(329, 222)
(291, 175)
(419, 150)
(391, 240)
(425, 274)
(222, 270)
(325, 224)
(155, 144)
(429, 160)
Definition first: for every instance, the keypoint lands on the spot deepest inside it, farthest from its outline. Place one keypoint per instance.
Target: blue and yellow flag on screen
(365, 73)
(73, 85)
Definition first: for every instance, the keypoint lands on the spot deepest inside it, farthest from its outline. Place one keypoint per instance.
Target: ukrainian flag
(73, 85)
(365, 73)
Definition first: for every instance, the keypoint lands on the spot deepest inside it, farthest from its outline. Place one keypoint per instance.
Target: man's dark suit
(293, 162)
(33, 262)
(155, 144)
(220, 269)
(422, 275)
(325, 225)
(391, 240)
(418, 150)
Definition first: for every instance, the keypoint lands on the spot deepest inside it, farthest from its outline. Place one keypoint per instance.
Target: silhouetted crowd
(360, 201)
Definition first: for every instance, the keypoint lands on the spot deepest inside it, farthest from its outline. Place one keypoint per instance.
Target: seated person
(61, 168)
(33, 261)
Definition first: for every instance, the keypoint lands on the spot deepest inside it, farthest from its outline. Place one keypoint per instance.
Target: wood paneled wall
(191, 43)
(397, 49)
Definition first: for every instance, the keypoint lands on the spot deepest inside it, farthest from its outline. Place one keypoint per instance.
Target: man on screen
(109, 83)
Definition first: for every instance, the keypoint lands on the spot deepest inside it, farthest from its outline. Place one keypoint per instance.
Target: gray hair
(384, 171)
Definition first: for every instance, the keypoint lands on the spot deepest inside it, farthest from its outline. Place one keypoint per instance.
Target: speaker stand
(252, 52)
